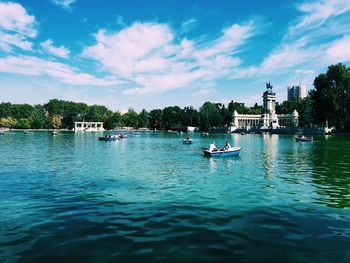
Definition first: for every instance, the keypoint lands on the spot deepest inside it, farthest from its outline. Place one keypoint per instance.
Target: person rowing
(227, 145)
(212, 147)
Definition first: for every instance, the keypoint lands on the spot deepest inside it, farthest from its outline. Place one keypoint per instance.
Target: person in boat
(227, 145)
(212, 147)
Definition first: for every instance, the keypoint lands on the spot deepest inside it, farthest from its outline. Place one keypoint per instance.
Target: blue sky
(156, 53)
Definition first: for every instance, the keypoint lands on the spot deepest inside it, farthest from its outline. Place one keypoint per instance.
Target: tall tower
(298, 91)
(269, 115)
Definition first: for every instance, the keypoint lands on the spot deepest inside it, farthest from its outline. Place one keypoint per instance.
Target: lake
(149, 198)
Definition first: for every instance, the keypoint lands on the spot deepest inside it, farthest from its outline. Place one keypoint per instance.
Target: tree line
(58, 114)
(327, 104)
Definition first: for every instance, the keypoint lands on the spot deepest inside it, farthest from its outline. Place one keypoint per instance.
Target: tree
(55, 107)
(38, 119)
(8, 122)
(131, 118)
(209, 116)
(5, 109)
(114, 120)
(331, 97)
(156, 119)
(190, 117)
(56, 121)
(144, 119)
(95, 113)
(236, 106)
(171, 117)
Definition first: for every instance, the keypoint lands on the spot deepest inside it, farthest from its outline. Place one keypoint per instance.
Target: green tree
(38, 119)
(114, 120)
(331, 97)
(236, 106)
(190, 117)
(144, 119)
(171, 117)
(156, 119)
(210, 116)
(131, 118)
(5, 110)
(95, 113)
(55, 107)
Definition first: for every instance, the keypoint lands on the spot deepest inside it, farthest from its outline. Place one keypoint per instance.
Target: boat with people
(122, 135)
(222, 152)
(108, 137)
(304, 138)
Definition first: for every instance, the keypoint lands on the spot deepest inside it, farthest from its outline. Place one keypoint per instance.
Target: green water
(149, 198)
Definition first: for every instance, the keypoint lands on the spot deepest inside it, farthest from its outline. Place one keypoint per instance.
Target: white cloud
(316, 13)
(60, 51)
(16, 26)
(130, 47)
(66, 4)
(8, 41)
(148, 56)
(307, 47)
(339, 50)
(187, 25)
(33, 66)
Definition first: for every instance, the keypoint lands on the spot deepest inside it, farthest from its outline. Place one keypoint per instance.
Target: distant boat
(304, 139)
(122, 135)
(54, 132)
(221, 152)
(187, 141)
(242, 133)
(205, 133)
(27, 132)
(108, 138)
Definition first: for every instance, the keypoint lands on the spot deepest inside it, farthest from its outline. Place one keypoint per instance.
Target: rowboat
(108, 138)
(187, 141)
(221, 152)
(122, 135)
(303, 139)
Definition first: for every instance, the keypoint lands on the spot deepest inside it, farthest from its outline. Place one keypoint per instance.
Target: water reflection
(331, 170)
(270, 153)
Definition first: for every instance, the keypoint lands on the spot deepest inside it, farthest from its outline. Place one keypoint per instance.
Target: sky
(155, 53)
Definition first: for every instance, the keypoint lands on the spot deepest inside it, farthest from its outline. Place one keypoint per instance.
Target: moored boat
(304, 139)
(221, 152)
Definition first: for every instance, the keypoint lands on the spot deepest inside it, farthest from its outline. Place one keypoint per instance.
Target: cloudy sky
(155, 53)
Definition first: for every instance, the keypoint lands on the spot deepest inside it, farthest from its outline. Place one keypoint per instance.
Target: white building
(299, 91)
(88, 126)
(268, 119)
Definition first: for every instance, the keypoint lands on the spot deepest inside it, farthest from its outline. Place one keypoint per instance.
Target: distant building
(297, 91)
(268, 119)
(88, 126)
